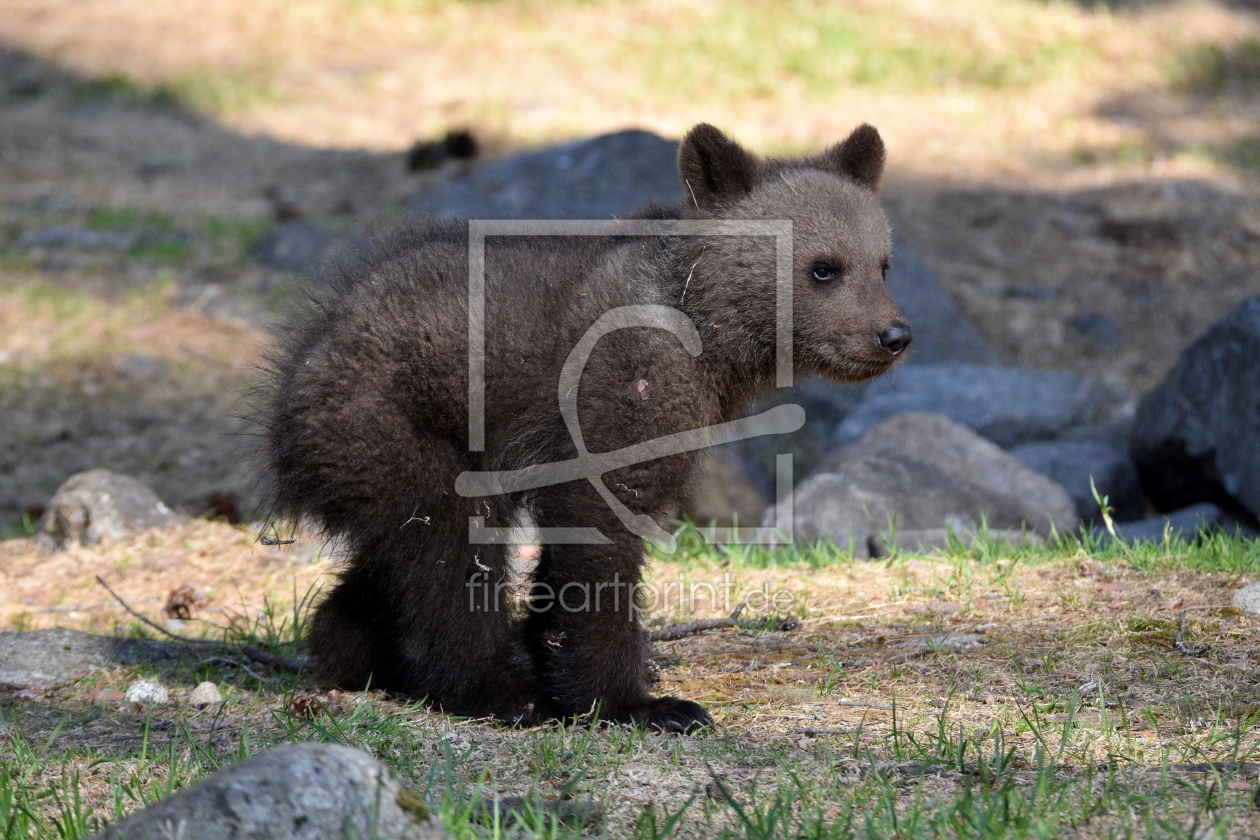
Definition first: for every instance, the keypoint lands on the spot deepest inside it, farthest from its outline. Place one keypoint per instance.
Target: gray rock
(302, 247)
(597, 178)
(69, 236)
(49, 657)
(98, 504)
(922, 471)
(1100, 331)
(294, 792)
(1073, 464)
(946, 642)
(1187, 524)
(1114, 433)
(1009, 406)
(1247, 599)
(942, 333)
(1196, 437)
(142, 368)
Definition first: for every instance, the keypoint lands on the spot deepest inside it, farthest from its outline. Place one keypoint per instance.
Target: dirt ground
(869, 657)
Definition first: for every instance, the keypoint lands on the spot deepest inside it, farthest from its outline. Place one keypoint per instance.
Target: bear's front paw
(673, 714)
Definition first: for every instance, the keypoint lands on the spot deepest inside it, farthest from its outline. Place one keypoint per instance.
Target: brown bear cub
(368, 422)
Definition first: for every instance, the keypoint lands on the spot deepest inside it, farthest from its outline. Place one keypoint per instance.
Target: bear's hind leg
(349, 647)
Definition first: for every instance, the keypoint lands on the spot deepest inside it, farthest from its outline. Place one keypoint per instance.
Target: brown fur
(367, 425)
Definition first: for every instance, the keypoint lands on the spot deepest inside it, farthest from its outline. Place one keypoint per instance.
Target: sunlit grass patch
(1214, 69)
(742, 50)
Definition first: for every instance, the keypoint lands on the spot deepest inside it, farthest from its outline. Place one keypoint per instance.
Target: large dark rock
(605, 176)
(1073, 463)
(919, 472)
(97, 505)
(304, 791)
(1196, 437)
(1009, 406)
(50, 657)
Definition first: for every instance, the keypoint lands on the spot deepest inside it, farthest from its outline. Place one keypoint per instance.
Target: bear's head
(845, 323)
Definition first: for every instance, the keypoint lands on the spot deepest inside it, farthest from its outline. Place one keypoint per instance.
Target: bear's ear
(859, 156)
(714, 168)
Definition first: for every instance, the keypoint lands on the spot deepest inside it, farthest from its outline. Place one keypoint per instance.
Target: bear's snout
(896, 339)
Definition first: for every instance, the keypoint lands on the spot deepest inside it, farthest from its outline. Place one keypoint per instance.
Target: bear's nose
(896, 338)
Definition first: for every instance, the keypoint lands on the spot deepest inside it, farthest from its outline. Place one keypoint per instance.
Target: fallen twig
(691, 628)
(152, 624)
(261, 656)
(1188, 650)
(253, 652)
(864, 704)
(811, 732)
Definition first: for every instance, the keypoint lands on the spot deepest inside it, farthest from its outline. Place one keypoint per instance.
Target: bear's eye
(823, 272)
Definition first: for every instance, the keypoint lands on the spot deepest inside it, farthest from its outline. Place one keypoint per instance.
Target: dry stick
(1196, 650)
(257, 654)
(691, 628)
(152, 624)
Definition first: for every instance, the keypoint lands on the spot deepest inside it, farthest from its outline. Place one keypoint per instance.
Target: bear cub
(368, 423)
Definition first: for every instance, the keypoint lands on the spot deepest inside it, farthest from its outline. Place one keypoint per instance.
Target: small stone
(945, 642)
(148, 692)
(205, 694)
(295, 792)
(1100, 330)
(107, 696)
(1247, 599)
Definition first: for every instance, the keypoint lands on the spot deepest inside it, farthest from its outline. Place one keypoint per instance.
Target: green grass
(1215, 69)
(742, 50)
(1215, 552)
(199, 89)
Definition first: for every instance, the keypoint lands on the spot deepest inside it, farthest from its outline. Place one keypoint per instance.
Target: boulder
(1009, 406)
(1075, 463)
(1247, 599)
(51, 657)
(97, 505)
(921, 471)
(597, 178)
(293, 792)
(1196, 437)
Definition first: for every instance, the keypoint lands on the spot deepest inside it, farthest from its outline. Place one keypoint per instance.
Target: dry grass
(968, 91)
